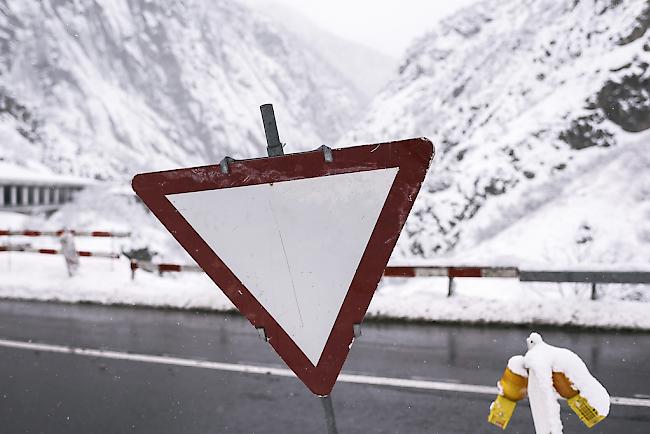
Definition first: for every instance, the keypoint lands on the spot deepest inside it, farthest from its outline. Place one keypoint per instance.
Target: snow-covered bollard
(586, 396)
(553, 372)
(69, 251)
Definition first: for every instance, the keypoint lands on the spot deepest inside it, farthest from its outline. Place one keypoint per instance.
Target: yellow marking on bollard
(514, 386)
(501, 411)
(587, 414)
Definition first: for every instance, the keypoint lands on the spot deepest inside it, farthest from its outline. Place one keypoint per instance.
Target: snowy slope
(107, 88)
(366, 69)
(538, 109)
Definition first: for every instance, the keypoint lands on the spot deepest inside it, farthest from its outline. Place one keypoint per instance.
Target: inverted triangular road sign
(297, 242)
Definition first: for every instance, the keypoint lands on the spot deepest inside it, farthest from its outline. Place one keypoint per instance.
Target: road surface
(155, 375)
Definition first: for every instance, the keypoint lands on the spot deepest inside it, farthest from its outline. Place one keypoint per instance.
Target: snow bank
(506, 301)
(12, 220)
(43, 277)
(103, 281)
(37, 174)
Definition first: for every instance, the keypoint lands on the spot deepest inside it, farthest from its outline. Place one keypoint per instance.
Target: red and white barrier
(30, 249)
(162, 268)
(390, 271)
(451, 272)
(592, 277)
(58, 233)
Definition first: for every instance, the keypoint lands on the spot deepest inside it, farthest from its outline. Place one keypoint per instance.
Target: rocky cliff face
(523, 99)
(107, 88)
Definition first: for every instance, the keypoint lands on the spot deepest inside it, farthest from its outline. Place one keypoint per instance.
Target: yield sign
(297, 242)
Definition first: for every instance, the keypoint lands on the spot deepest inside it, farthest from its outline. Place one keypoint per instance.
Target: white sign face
(295, 245)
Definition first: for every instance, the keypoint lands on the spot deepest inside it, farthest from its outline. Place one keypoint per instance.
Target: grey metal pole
(329, 414)
(450, 287)
(274, 147)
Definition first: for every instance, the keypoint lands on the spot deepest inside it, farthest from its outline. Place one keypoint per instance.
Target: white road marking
(279, 372)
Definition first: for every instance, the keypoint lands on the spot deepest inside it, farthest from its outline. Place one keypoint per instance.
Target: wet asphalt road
(44, 392)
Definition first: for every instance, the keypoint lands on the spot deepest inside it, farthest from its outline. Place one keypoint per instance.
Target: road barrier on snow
(29, 249)
(58, 233)
(450, 273)
(161, 268)
(592, 277)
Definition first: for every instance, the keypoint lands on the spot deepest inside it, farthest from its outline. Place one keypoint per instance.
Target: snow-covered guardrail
(66, 238)
(29, 249)
(161, 268)
(586, 276)
(592, 277)
(450, 273)
(58, 233)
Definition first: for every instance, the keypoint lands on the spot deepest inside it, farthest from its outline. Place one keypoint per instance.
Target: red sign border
(411, 156)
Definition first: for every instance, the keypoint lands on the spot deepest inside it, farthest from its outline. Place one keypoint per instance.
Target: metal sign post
(329, 414)
(274, 149)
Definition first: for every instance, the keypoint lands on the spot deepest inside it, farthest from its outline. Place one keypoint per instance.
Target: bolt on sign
(297, 242)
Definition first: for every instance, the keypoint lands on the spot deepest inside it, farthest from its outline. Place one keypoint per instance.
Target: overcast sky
(385, 25)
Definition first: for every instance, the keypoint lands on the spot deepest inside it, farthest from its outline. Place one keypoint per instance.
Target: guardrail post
(594, 294)
(134, 266)
(450, 288)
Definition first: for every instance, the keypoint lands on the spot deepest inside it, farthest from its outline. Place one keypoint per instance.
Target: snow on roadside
(504, 301)
(103, 281)
(43, 277)
(476, 301)
(12, 220)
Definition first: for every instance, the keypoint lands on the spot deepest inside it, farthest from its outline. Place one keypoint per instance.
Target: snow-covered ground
(115, 207)
(33, 276)
(37, 173)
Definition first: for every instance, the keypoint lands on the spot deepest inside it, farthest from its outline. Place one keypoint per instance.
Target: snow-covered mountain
(365, 68)
(540, 111)
(106, 88)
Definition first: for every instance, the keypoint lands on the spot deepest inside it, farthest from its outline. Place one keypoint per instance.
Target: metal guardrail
(82, 253)
(592, 277)
(58, 233)
(451, 272)
(586, 276)
(161, 268)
